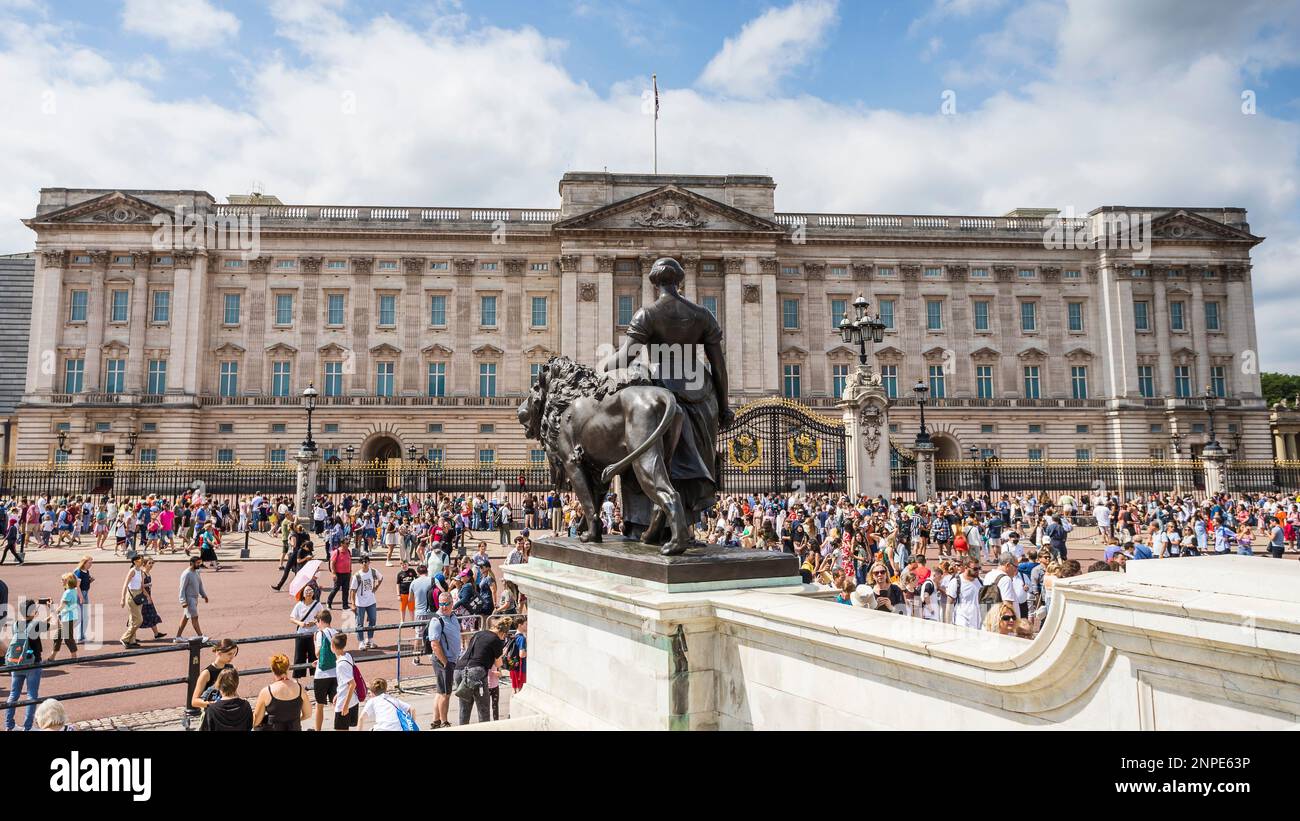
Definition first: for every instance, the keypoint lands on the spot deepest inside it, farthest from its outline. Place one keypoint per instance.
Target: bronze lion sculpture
(594, 428)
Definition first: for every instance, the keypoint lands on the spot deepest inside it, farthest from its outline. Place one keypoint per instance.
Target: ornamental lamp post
(1210, 400)
(921, 390)
(350, 451)
(862, 330)
(309, 402)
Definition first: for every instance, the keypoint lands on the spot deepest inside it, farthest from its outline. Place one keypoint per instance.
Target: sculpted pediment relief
(437, 350)
(1185, 226)
(332, 349)
(282, 349)
(889, 352)
(985, 353)
(539, 351)
(229, 349)
(115, 208)
(669, 208)
(1032, 353)
(1079, 353)
(384, 349)
(488, 350)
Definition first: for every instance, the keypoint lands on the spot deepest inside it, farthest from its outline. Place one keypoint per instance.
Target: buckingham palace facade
(421, 327)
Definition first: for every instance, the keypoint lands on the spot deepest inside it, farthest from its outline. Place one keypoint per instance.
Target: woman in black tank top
(280, 714)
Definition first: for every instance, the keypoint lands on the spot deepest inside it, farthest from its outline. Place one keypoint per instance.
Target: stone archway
(381, 448)
(946, 448)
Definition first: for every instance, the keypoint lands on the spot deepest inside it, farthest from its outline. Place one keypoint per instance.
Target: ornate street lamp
(63, 444)
(411, 450)
(1210, 401)
(350, 451)
(309, 402)
(862, 330)
(921, 390)
(132, 436)
(1176, 440)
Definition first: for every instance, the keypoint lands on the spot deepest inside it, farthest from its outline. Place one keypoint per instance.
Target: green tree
(1279, 386)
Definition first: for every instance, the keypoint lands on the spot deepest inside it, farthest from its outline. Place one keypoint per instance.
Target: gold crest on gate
(746, 451)
(804, 450)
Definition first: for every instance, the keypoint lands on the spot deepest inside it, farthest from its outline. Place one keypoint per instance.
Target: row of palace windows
(982, 311)
(381, 265)
(792, 381)
(434, 453)
(119, 306)
(386, 310)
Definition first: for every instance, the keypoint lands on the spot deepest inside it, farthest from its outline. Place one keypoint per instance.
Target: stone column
(866, 426)
(924, 471)
(569, 266)
(95, 323)
(308, 471)
(1216, 470)
(43, 363)
(1279, 446)
(136, 367)
(733, 331)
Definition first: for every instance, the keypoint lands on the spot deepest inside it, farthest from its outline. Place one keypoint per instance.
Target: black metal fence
(1094, 476)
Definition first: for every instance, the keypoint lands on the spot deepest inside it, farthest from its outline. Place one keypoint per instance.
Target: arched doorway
(381, 458)
(946, 449)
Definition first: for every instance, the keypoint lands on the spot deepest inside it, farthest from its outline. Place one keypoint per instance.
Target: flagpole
(654, 80)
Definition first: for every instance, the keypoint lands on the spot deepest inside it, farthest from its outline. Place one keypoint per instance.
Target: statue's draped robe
(674, 321)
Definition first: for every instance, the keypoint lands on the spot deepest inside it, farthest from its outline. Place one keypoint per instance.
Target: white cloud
(182, 24)
(752, 63)
(495, 119)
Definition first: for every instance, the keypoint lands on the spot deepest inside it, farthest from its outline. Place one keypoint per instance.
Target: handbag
(139, 598)
(470, 682)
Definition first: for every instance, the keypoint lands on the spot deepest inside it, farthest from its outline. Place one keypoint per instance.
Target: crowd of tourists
(984, 561)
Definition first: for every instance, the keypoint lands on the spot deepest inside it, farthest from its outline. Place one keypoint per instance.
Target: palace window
(933, 273)
(434, 455)
(838, 308)
(887, 313)
(225, 455)
(230, 309)
(487, 379)
(1079, 381)
(438, 310)
(1070, 274)
(229, 385)
(286, 264)
(331, 427)
(790, 270)
(488, 266)
(438, 266)
(387, 310)
(74, 374)
(1141, 316)
(281, 373)
(936, 382)
(889, 380)
(337, 265)
(284, 309)
(434, 427)
(979, 273)
(157, 377)
(934, 315)
(1211, 316)
(1182, 381)
(537, 456)
(1219, 381)
(437, 378)
(1082, 455)
(487, 456)
(123, 260)
(1035, 454)
(1026, 273)
(119, 310)
(1035, 428)
(276, 456)
(1028, 316)
(1146, 381)
(333, 378)
(1032, 383)
(539, 266)
(1074, 311)
(77, 306)
(384, 372)
(839, 378)
(711, 305)
(1176, 316)
(488, 311)
(790, 383)
(334, 304)
(388, 265)
(148, 456)
(162, 307)
(790, 314)
(984, 381)
(981, 315)
(539, 312)
(115, 376)
(625, 309)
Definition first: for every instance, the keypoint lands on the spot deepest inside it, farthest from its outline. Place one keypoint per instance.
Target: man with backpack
(470, 678)
(1056, 534)
(963, 590)
(444, 640)
(1003, 584)
(347, 704)
(503, 523)
(25, 648)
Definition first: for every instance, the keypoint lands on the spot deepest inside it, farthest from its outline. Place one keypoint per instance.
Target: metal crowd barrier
(194, 663)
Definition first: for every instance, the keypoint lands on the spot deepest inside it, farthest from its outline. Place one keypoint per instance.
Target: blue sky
(1063, 103)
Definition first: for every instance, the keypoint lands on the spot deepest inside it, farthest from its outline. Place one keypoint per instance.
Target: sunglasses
(1008, 618)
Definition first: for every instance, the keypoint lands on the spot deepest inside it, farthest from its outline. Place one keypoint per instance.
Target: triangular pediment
(889, 352)
(936, 352)
(488, 350)
(281, 349)
(1185, 226)
(1032, 353)
(332, 349)
(1078, 353)
(668, 208)
(114, 208)
(985, 353)
(793, 351)
(436, 350)
(384, 349)
(229, 349)
(115, 346)
(1183, 353)
(538, 350)
(841, 352)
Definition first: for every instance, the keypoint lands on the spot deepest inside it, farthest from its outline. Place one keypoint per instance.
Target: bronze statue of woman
(665, 335)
